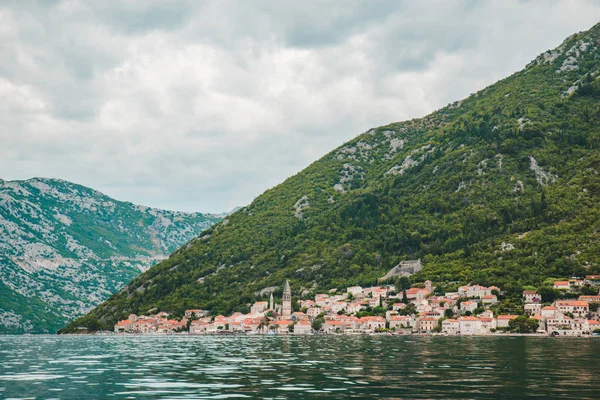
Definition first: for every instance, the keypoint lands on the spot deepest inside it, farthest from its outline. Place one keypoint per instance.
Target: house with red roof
(123, 326)
(590, 298)
(416, 293)
(593, 325)
(197, 327)
(578, 308)
(426, 324)
(402, 322)
(487, 324)
(303, 327)
(282, 326)
(469, 325)
(592, 279)
(548, 311)
(333, 326)
(371, 323)
(252, 324)
(531, 296)
(489, 299)
(468, 306)
(562, 285)
(450, 326)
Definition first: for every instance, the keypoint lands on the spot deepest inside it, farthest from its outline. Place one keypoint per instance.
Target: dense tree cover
(501, 188)
(522, 324)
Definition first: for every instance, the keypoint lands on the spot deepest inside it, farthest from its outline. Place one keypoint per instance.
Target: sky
(204, 105)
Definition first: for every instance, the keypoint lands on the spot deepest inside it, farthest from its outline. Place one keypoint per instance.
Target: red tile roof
(507, 316)
(572, 303)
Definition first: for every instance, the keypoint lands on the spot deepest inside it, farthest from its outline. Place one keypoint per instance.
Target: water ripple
(203, 367)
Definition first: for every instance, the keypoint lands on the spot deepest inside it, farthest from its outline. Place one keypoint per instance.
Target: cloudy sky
(203, 105)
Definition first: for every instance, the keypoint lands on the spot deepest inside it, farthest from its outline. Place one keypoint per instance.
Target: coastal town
(420, 309)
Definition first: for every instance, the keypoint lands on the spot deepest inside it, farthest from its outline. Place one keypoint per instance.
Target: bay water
(298, 367)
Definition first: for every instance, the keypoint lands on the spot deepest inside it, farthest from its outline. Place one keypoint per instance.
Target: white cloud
(203, 105)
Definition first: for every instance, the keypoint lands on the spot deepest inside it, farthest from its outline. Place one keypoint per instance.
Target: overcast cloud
(203, 105)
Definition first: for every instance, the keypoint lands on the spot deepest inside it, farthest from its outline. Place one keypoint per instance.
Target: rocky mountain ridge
(65, 248)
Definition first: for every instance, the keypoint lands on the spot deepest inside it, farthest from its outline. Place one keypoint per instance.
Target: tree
(317, 324)
(402, 284)
(522, 324)
(448, 313)
(404, 297)
(548, 294)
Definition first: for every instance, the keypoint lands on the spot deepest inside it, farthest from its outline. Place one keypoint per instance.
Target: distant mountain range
(64, 248)
(501, 188)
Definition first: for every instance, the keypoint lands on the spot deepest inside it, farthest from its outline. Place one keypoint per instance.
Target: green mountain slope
(500, 188)
(64, 248)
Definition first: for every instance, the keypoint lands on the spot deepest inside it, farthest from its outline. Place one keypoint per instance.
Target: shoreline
(185, 334)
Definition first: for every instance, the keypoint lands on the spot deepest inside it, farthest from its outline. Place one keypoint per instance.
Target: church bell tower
(286, 309)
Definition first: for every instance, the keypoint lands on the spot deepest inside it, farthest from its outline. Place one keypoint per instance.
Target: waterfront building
(426, 324)
(451, 326)
(282, 326)
(576, 307)
(503, 320)
(469, 325)
(302, 327)
(371, 323)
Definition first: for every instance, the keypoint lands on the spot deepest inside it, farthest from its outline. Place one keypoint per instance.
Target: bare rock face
(65, 248)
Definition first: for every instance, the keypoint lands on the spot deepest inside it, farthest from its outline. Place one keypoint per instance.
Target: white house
(468, 306)
(503, 320)
(469, 325)
(532, 309)
(451, 326)
(302, 327)
(531, 296)
(576, 307)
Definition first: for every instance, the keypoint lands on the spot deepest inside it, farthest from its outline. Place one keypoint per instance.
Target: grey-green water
(100, 367)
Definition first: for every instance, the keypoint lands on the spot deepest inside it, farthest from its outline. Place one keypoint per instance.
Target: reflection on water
(98, 367)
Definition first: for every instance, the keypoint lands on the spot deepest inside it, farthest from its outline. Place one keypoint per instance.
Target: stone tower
(271, 305)
(286, 300)
(428, 286)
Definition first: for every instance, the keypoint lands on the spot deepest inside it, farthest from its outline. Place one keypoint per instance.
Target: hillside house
(531, 296)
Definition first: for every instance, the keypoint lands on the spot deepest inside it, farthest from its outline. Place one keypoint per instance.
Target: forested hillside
(64, 248)
(500, 188)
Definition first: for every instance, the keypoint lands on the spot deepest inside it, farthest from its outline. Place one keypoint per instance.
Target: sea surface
(298, 367)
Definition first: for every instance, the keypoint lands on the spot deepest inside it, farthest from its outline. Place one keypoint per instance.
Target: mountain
(500, 188)
(65, 248)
